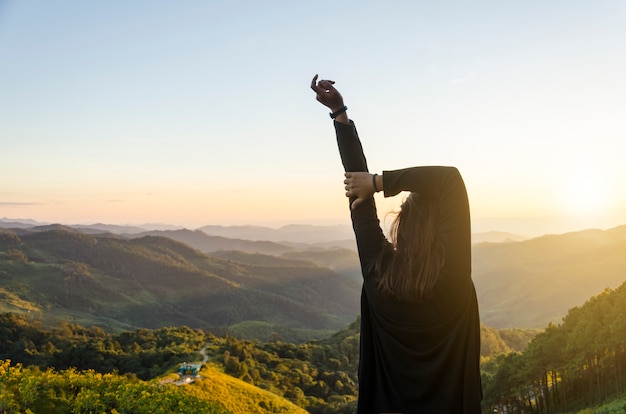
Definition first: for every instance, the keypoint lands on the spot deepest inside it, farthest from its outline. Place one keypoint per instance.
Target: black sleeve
(369, 236)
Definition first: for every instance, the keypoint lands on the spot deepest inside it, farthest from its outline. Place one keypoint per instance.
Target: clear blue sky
(199, 112)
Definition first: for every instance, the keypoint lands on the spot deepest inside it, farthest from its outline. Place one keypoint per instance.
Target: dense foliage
(320, 376)
(144, 353)
(578, 363)
(30, 390)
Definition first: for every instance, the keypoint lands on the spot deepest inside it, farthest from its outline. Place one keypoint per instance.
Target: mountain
(341, 260)
(530, 283)
(15, 225)
(496, 237)
(295, 233)
(524, 284)
(155, 281)
(205, 243)
(108, 228)
(297, 236)
(96, 228)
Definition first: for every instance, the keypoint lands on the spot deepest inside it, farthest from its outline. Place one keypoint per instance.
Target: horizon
(196, 112)
(525, 227)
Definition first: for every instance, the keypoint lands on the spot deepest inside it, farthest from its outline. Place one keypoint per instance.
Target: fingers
(316, 87)
(322, 87)
(356, 203)
(327, 85)
(314, 82)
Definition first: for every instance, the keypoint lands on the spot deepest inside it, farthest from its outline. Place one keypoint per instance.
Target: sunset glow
(201, 113)
(587, 193)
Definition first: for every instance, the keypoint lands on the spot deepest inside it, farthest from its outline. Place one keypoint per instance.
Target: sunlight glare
(587, 193)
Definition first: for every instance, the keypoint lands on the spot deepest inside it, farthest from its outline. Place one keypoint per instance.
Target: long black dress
(417, 357)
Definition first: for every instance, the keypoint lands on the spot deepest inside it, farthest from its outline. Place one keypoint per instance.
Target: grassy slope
(239, 396)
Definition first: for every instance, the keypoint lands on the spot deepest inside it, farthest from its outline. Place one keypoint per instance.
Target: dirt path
(205, 357)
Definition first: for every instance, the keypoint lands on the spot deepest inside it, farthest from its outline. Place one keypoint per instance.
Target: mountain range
(179, 276)
(156, 281)
(534, 282)
(293, 234)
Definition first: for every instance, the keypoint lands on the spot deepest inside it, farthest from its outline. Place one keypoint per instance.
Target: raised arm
(365, 223)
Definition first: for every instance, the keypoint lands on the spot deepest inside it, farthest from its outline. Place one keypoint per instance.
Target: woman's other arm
(445, 185)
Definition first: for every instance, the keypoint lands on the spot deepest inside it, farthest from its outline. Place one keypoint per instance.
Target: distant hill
(530, 283)
(297, 236)
(89, 228)
(341, 260)
(206, 243)
(496, 237)
(156, 281)
(297, 233)
(525, 284)
(108, 228)
(14, 225)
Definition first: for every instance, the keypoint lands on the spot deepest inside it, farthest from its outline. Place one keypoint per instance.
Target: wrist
(335, 113)
(377, 181)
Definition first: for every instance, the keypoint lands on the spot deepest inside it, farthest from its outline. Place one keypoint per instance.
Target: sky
(200, 112)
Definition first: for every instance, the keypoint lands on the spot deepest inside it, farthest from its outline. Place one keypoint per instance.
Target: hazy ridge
(534, 282)
(155, 281)
(520, 284)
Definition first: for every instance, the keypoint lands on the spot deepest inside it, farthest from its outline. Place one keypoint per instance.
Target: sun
(586, 193)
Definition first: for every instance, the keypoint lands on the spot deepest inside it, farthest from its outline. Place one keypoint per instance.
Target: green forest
(102, 324)
(318, 376)
(574, 366)
(150, 282)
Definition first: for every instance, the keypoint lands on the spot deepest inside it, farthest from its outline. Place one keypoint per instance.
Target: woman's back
(417, 357)
(422, 355)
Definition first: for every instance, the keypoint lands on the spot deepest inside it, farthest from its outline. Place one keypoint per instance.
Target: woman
(420, 331)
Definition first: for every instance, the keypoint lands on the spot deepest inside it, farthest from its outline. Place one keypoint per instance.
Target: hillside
(206, 243)
(320, 376)
(238, 396)
(294, 233)
(571, 366)
(340, 260)
(155, 281)
(531, 283)
(70, 391)
(520, 283)
(30, 390)
(524, 284)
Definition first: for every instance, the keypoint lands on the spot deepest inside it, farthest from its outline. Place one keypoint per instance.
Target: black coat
(417, 357)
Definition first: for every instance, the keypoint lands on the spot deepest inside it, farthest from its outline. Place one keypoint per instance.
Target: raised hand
(326, 94)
